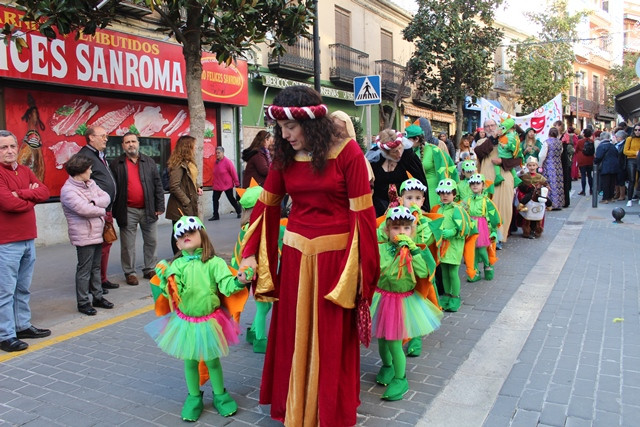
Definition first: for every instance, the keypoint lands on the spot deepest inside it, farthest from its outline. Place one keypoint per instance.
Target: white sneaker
(629, 203)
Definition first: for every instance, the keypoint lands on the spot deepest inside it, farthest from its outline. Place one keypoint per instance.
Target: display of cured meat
(175, 123)
(111, 120)
(208, 126)
(208, 150)
(67, 118)
(63, 151)
(149, 121)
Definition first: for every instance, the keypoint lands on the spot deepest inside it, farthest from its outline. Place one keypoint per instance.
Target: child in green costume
(256, 334)
(428, 235)
(455, 228)
(197, 329)
(467, 168)
(487, 217)
(397, 310)
(508, 148)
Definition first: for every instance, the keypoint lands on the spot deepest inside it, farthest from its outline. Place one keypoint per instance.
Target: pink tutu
(483, 232)
(396, 316)
(194, 338)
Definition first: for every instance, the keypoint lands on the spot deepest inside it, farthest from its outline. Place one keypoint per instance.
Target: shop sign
(115, 61)
(270, 80)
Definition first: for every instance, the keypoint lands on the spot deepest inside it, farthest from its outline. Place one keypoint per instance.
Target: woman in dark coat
(184, 188)
(258, 159)
(607, 159)
(393, 167)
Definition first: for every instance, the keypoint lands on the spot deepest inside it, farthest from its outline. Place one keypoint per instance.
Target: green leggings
(391, 353)
(451, 279)
(483, 257)
(192, 376)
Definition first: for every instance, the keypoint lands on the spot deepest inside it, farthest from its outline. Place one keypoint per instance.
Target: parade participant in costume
(508, 148)
(428, 237)
(456, 228)
(485, 213)
(196, 328)
(534, 187)
(399, 312)
(395, 165)
(256, 334)
(531, 145)
(467, 169)
(328, 269)
(437, 165)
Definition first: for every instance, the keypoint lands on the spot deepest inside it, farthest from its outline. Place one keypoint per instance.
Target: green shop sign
(280, 83)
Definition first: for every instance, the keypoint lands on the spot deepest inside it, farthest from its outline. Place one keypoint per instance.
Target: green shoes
(499, 179)
(385, 375)
(453, 305)
(475, 278)
(396, 389)
(488, 273)
(224, 404)
(250, 336)
(415, 347)
(192, 408)
(260, 345)
(444, 301)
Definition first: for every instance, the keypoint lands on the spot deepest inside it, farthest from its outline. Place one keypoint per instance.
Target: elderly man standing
(487, 151)
(20, 190)
(96, 143)
(139, 201)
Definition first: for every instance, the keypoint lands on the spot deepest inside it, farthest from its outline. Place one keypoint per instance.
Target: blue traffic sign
(366, 90)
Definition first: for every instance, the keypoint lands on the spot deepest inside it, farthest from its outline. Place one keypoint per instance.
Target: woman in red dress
(329, 260)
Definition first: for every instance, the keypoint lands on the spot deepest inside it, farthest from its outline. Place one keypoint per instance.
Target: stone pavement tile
(581, 407)
(584, 388)
(609, 383)
(6, 395)
(587, 372)
(539, 382)
(563, 376)
(577, 422)
(631, 378)
(377, 422)
(505, 406)
(553, 414)
(18, 417)
(513, 386)
(610, 402)
(604, 418)
(531, 400)
(630, 415)
(524, 418)
(630, 396)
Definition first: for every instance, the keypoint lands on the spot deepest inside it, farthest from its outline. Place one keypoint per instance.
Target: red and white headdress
(390, 145)
(276, 112)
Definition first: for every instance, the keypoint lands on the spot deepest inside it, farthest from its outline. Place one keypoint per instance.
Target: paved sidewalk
(106, 371)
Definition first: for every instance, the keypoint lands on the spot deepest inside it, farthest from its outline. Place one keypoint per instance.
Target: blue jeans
(17, 260)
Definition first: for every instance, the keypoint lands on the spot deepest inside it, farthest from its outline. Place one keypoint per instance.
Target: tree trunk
(192, 51)
(459, 121)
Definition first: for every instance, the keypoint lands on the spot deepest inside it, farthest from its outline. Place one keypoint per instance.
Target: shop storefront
(440, 121)
(54, 89)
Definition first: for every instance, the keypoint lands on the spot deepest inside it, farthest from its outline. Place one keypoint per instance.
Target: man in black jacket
(139, 201)
(96, 143)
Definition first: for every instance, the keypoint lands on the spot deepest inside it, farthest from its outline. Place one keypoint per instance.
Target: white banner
(541, 120)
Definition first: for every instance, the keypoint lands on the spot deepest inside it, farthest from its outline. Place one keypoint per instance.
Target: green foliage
(621, 77)
(359, 130)
(454, 45)
(542, 67)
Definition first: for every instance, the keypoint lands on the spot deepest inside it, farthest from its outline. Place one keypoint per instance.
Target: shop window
(158, 149)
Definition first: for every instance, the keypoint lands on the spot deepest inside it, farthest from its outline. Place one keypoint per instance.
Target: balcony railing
(502, 80)
(391, 76)
(347, 63)
(297, 60)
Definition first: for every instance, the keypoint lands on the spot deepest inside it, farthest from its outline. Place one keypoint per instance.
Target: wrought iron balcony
(347, 63)
(297, 60)
(502, 80)
(392, 78)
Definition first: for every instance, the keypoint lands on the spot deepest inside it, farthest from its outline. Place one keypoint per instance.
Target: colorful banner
(50, 129)
(541, 120)
(116, 61)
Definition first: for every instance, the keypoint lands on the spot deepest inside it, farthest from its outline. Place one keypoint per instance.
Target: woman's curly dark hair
(319, 134)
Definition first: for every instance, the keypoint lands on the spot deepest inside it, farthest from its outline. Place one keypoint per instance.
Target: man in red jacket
(20, 190)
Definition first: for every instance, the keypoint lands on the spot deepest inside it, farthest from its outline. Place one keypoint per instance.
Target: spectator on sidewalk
(184, 188)
(258, 159)
(139, 201)
(225, 178)
(568, 147)
(20, 190)
(607, 157)
(96, 143)
(584, 159)
(84, 205)
(451, 148)
(553, 170)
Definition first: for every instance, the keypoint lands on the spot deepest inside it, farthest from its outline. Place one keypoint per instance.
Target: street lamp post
(577, 77)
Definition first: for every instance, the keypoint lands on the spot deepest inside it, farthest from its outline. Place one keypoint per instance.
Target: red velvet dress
(311, 373)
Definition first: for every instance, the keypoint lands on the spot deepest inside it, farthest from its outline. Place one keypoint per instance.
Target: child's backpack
(588, 149)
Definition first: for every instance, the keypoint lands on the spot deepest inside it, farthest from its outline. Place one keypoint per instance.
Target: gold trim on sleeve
(270, 199)
(344, 293)
(361, 203)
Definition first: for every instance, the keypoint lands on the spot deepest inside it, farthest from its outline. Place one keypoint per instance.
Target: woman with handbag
(184, 188)
(84, 205)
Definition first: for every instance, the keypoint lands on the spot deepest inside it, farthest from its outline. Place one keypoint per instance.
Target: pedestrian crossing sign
(366, 90)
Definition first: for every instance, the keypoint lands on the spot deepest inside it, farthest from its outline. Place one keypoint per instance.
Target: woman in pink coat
(84, 203)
